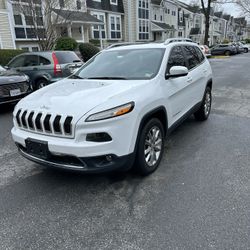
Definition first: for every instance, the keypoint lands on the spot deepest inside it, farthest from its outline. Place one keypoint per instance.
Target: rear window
(65, 57)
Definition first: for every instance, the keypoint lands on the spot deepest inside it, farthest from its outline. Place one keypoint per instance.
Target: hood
(9, 76)
(75, 97)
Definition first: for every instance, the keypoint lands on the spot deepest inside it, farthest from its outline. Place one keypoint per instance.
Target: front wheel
(204, 111)
(41, 83)
(227, 53)
(246, 50)
(150, 147)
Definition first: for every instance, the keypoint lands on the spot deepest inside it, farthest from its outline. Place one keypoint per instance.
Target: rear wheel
(203, 113)
(246, 50)
(150, 147)
(227, 53)
(41, 83)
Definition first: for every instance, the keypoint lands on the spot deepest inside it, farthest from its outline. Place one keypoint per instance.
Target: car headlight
(111, 113)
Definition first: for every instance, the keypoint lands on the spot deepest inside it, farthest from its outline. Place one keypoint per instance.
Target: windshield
(129, 64)
(2, 69)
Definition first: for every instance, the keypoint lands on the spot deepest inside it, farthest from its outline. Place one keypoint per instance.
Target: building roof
(163, 26)
(77, 16)
(218, 14)
(195, 31)
(105, 5)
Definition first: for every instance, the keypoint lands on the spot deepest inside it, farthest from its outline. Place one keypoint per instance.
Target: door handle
(190, 79)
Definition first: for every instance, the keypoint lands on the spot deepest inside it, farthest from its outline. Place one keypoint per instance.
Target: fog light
(98, 137)
(109, 158)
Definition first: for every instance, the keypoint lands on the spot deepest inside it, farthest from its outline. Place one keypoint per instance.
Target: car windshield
(128, 64)
(2, 69)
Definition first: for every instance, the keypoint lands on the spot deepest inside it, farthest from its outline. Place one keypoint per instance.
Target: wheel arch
(160, 113)
(210, 84)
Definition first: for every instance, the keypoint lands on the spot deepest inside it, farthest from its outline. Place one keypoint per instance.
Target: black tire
(245, 50)
(141, 166)
(204, 111)
(227, 53)
(41, 83)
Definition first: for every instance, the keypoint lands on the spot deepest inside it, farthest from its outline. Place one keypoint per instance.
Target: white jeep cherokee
(115, 111)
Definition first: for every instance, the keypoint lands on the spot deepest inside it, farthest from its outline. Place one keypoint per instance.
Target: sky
(228, 8)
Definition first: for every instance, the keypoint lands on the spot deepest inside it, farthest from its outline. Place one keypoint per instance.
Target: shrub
(7, 54)
(87, 51)
(95, 42)
(225, 41)
(66, 43)
(247, 40)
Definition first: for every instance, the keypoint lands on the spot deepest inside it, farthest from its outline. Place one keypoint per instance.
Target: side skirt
(184, 117)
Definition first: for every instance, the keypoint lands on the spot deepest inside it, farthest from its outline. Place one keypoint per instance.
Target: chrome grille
(45, 123)
(6, 88)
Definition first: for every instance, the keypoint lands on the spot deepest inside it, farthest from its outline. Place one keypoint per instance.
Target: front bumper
(98, 164)
(14, 99)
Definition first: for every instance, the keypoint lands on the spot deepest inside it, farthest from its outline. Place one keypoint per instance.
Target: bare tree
(206, 9)
(43, 20)
(244, 5)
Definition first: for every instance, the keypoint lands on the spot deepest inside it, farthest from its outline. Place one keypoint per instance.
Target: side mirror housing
(177, 71)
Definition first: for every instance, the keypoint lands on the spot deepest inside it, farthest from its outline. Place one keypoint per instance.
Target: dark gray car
(13, 86)
(224, 49)
(44, 68)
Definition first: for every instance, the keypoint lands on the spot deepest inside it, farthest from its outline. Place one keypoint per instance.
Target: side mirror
(6, 67)
(177, 71)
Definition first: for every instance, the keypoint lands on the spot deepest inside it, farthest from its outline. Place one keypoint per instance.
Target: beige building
(6, 32)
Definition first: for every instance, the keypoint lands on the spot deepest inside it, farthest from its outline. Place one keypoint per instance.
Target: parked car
(224, 49)
(13, 86)
(205, 49)
(44, 68)
(239, 47)
(116, 110)
(245, 47)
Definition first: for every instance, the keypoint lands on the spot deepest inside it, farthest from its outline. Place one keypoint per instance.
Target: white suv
(116, 110)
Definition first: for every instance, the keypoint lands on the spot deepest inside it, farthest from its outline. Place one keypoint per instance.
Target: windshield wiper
(107, 78)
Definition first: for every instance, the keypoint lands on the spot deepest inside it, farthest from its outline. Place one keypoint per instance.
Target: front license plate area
(15, 92)
(37, 148)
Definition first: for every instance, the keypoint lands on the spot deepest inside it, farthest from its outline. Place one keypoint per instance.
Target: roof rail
(173, 40)
(114, 45)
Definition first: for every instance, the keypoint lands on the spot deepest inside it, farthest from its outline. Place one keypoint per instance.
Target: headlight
(111, 113)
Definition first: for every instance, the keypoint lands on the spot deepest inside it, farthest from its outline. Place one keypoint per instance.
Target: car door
(30, 66)
(196, 73)
(175, 89)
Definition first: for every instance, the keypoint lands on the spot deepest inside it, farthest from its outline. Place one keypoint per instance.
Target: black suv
(44, 68)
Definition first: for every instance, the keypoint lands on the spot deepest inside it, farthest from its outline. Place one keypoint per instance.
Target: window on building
(115, 27)
(18, 20)
(96, 28)
(29, 20)
(155, 17)
(20, 33)
(31, 33)
(180, 34)
(35, 49)
(161, 18)
(143, 19)
(78, 4)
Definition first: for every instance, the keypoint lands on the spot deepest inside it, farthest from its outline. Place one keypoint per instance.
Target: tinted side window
(176, 58)
(43, 61)
(30, 60)
(18, 62)
(67, 57)
(200, 54)
(192, 57)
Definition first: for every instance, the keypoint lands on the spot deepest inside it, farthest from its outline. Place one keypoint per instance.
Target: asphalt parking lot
(198, 199)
